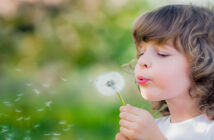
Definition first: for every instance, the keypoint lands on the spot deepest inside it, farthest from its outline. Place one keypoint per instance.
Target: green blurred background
(51, 51)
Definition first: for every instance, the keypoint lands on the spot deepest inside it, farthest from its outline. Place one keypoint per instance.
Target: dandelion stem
(121, 98)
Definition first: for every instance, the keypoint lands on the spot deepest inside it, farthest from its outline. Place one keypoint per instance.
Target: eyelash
(162, 55)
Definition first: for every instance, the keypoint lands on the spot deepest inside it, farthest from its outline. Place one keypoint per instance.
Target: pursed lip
(142, 80)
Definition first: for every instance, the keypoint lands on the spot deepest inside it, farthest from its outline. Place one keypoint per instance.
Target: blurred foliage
(50, 55)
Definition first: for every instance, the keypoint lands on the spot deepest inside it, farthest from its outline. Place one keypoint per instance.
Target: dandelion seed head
(110, 83)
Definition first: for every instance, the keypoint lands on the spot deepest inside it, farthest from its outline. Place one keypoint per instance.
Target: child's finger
(133, 110)
(128, 117)
(126, 132)
(119, 136)
(127, 124)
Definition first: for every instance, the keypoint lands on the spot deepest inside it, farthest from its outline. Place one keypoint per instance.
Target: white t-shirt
(197, 128)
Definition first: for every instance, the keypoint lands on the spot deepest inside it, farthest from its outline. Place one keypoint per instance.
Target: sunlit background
(51, 51)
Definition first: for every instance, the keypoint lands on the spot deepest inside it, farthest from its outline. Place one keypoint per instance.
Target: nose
(145, 62)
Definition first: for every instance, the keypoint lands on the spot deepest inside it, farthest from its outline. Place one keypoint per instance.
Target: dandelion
(110, 84)
(36, 91)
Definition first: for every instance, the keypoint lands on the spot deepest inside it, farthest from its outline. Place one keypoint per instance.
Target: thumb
(120, 136)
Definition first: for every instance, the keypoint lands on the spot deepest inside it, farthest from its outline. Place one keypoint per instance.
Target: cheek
(173, 79)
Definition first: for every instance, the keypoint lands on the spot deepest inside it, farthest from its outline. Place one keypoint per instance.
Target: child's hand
(120, 136)
(138, 124)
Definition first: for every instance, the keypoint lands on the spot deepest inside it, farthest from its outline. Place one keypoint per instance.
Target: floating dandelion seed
(18, 111)
(19, 119)
(27, 138)
(20, 94)
(36, 125)
(46, 85)
(17, 99)
(40, 109)
(4, 130)
(56, 134)
(28, 131)
(27, 118)
(48, 103)
(110, 84)
(2, 114)
(7, 103)
(47, 134)
(52, 92)
(66, 129)
(28, 84)
(18, 70)
(64, 79)
(36, 91)
(62, 122)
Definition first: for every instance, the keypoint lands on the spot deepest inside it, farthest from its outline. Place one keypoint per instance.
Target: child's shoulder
(162, 119)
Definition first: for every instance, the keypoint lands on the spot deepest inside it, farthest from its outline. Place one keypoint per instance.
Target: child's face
(168, 75)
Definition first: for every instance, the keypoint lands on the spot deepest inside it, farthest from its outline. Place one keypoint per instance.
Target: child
(175, 68)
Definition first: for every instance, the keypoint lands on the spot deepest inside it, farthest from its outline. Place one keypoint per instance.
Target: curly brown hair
(192, 30)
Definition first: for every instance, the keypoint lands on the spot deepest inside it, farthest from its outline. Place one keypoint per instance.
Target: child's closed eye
(160, 54)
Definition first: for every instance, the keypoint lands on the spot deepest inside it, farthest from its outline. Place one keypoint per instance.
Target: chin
(150, 98)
